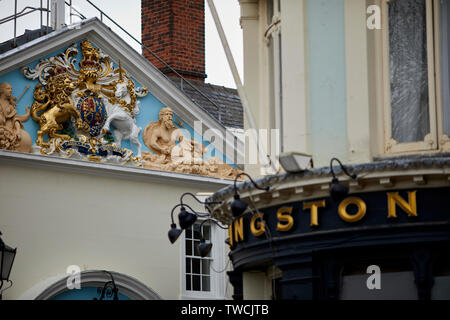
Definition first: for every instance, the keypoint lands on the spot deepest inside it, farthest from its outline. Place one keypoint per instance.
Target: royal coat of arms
(74, 107)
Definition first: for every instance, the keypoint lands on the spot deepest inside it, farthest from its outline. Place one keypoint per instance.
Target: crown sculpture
(75, 107)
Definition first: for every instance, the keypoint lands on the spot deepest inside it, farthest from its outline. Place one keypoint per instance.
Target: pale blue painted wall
(150, 106)
(326, 52)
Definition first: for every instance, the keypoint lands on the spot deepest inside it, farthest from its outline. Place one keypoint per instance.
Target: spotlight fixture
(204, 248)
(238, 206)
(185, 218)
(174, 233)
(338, 191)
(294, 162)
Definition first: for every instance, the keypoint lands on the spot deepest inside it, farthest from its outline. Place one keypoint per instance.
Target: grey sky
(127, 14)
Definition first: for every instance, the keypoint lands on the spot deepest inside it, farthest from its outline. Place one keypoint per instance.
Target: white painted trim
(358, 109)
(295, 109)
(133, 62)
(127, 285)
(443, 138)
(430, 141)
(110, 170)
(218, 280)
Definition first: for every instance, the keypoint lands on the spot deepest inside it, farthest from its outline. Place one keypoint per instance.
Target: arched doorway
(129, 288)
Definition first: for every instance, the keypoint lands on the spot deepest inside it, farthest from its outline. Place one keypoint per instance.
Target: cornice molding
(315, 183)
(13, 158)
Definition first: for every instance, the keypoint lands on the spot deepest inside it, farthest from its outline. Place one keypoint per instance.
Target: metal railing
(75, 12)
(26, 11)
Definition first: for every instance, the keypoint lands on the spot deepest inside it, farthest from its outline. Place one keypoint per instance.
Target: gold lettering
(257, 224)
(409, 207)
(314, 206)
(284, 215)
(355, 217)
(238, 230)
(230, 234)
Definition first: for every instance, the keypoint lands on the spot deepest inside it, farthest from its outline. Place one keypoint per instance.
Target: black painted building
(389, 238)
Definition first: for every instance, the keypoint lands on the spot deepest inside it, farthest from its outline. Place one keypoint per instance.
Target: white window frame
(443, 138)
(430, 143)
(435, 140)
(218, 255)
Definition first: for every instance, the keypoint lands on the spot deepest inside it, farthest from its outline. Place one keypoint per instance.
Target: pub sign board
(362, 209)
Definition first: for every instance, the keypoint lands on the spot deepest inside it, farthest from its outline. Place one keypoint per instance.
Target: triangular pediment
(61, 52)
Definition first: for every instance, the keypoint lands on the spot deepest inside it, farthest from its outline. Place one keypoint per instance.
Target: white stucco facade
(60, 214)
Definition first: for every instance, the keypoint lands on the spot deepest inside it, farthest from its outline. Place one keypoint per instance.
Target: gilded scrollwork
(87, 99)
(86, 108)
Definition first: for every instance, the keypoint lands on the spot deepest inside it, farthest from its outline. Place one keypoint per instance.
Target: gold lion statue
(56, 105)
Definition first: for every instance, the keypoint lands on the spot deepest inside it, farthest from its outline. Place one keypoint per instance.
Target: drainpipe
(265, 158)
(58, 14)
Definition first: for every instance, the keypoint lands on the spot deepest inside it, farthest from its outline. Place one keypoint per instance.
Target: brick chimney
(175, 31)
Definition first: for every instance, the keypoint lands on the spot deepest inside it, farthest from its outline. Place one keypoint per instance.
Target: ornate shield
(93, 114)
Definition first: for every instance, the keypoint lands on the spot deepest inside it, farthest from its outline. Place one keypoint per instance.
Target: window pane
(188, 282)
(206, 283)
(205, 266)
(196, 266)
(189, 233)
(196, 251)
(408, 70)
(188, 265)
(445, 65)
(441, 288)
(207, 232)
(189, 247)
(196, 283)
(394, 286)
(196, 231)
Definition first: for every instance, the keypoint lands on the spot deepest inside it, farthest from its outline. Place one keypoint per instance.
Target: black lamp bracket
(197, 199)
(267, 188)
(353, 176)
(193, 211)
(212, 220)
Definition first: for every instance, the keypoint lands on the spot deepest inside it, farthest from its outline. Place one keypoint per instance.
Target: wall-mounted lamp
(7, 255)
(185, 218)
(294, 162)
(238, 206)
(339, 191)
(204, 248)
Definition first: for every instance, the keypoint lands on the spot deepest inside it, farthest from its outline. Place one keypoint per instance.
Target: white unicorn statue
(122, 114)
